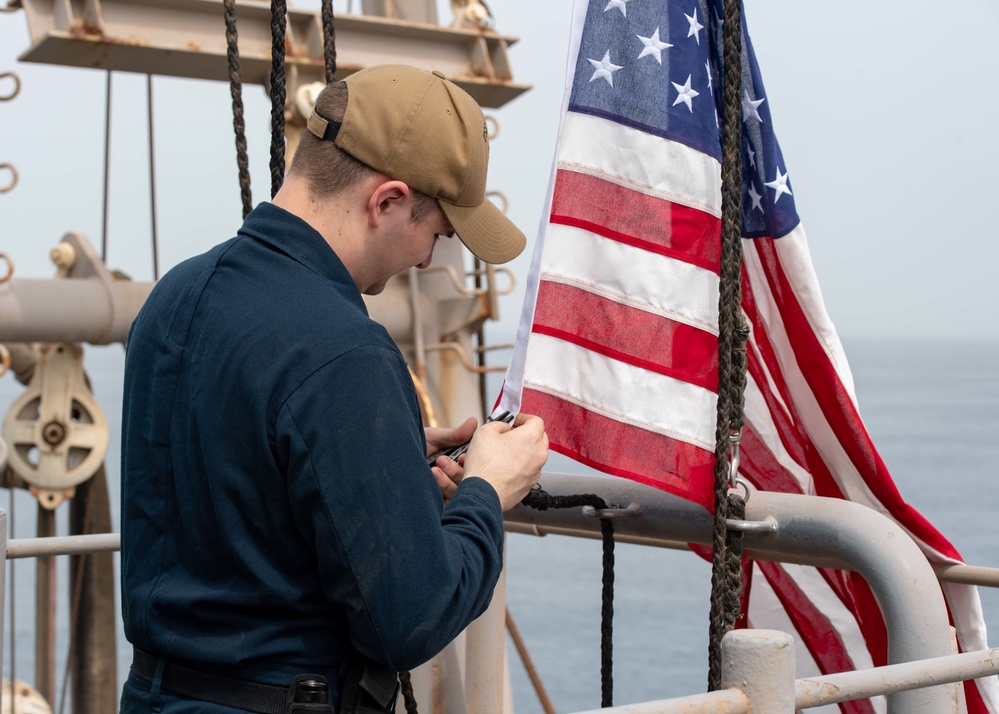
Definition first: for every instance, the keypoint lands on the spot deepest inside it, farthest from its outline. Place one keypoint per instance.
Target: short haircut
(328, 169)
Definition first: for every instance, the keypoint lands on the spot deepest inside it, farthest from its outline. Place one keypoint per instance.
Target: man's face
(416, 241)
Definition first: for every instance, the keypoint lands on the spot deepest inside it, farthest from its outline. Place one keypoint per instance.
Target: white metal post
(761, 664)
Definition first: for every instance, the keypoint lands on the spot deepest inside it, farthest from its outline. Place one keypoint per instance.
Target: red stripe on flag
(861, 601)
(637, 219)
(627, 334)
(624, 450)
(816, 631)
(792, 432)
(761, 466)
(838, 407)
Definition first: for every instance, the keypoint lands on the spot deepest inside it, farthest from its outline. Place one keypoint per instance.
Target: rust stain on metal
(193, 46)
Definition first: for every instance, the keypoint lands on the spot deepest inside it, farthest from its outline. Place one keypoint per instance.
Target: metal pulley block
(57, 432)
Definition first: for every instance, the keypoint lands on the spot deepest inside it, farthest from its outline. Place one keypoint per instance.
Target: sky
(883, 110)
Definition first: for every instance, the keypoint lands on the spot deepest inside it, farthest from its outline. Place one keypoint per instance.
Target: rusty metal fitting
(17, 86)
(13, 178)
(502, 197)
(492, 127)
(4, 359)
(10, 268)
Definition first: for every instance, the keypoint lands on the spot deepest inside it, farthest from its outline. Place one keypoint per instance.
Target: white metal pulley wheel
(56, 431)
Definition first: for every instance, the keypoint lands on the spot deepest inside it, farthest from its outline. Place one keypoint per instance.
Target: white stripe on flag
(758, 416)
(620, 391)
(643, 162)
(792, 251)
(668, 287)
(852, 486)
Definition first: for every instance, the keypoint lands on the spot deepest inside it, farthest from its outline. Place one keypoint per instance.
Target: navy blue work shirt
(277, 507)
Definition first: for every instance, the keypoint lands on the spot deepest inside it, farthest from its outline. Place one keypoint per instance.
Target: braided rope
(539, 499)
(406, 687)
(236, 90)
(279, 27)
(607, 616)
(725, 599)
(329, 41)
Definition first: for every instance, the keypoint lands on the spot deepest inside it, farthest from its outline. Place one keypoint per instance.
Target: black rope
(406, 687)
(279, 26)
(607, 616)
(329, 41)
(539, 499)
(152, 178)
(726, 584)
(236, 90)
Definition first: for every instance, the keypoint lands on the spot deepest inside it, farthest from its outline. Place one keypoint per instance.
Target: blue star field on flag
(656, 66)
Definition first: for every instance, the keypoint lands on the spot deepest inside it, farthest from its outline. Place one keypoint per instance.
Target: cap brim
(485, 230)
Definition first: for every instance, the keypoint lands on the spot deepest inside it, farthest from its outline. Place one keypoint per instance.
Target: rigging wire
(152, 177)
(236, 92)
(279, 92)
(107, 164)
(13, 597)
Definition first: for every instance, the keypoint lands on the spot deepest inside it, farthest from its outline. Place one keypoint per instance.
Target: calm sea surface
(931, 407)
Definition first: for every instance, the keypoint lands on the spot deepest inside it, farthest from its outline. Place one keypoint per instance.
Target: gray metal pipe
(897, 571)
(69, 310)
(62, 545)
(847, 686)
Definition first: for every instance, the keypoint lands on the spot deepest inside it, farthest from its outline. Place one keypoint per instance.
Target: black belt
(227, 691)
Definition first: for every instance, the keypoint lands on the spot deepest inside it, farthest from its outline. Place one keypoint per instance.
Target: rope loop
(539, 499)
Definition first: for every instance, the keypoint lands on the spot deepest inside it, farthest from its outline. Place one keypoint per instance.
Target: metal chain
(236, 90)
(329, 41)
(279, 27)
(725, 573)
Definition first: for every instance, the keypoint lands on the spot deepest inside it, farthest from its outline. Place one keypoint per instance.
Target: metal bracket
(613, 514)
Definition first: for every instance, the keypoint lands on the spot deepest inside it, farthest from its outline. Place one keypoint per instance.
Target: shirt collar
(294, 237)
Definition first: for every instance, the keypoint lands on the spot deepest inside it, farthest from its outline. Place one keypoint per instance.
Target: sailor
(283, 538)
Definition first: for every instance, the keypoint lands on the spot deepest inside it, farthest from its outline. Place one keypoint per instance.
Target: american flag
(617, 344)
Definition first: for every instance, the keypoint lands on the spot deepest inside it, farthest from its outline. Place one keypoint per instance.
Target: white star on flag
(752, 155)
(756, 198)
(779, 185)
(653, 46)
(750, 106)
(707, 66)
(619, 4)
(695, 26)
(604, 68)
(686, 94)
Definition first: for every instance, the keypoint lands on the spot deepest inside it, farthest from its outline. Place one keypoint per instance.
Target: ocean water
(931, 407)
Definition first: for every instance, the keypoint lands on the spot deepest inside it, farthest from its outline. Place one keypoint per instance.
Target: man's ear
(388, 197)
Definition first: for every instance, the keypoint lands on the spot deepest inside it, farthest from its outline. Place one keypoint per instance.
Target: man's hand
(447, 472)
(508, 457)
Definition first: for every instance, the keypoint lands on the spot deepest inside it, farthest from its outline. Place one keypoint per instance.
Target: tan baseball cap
(419, 128)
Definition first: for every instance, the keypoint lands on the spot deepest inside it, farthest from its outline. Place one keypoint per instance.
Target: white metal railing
(757, 665)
